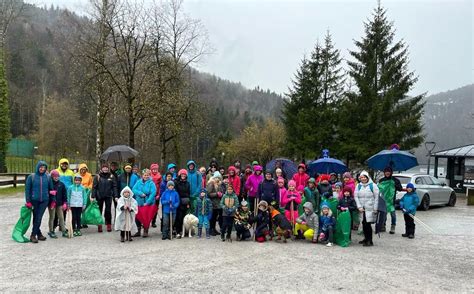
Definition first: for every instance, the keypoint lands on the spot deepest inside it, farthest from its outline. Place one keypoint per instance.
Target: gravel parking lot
(438, 262)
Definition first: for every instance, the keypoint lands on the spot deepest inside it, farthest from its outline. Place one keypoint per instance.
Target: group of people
(257, 204)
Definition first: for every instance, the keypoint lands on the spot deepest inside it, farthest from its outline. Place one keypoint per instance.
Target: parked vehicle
(430, 190)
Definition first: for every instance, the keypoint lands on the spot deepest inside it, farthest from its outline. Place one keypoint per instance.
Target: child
(262, 222)
(204, 213)
(408, 205)
(307, 224)
(229, 204)
(243, 221)
(127, 208)
(280, 223)
(282, 192)
(77, 200)
(311, 194)
(327, 223)
(337, 190)
(291, 202)
(169, 202)
(347, 202)
(58, 205)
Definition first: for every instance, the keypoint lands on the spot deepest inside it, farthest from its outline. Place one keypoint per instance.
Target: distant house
(460, 167)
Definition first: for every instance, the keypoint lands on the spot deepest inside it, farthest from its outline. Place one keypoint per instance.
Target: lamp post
(429, 147)
(222, 159)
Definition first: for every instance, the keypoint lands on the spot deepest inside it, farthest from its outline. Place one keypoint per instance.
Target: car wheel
(425, 203)
(452, 199)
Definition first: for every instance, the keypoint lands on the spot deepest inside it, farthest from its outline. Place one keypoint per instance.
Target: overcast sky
(262, 42)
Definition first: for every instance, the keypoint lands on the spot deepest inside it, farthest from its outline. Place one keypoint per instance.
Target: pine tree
(380, 112)
(5, 134)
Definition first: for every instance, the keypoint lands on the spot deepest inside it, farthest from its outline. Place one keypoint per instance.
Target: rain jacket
(282, 194)
(156, 178)
(287, 201)
(204, 207)
(326, 221)
(253, 182)
(66, 176)
(311, 195)
(87, 180)
(351, 184)
(301, 179)
(325, 190)
(128, 180)
(104, 186)
(194, 180)
(268, 191)
(169, 201)
(213, 194)
(76, 196)
(121, 214)
(347, 202)
(175, 174)
(311, 219)
(234, 180)
(229, 204)
(148, 189)
(61, 193)
(410, 202)
(367, 197)
(38, 185)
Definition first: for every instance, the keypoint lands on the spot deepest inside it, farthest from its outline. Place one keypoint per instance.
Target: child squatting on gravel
(127, 208)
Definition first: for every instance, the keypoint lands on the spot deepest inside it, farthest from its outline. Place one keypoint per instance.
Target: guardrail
(13, 179)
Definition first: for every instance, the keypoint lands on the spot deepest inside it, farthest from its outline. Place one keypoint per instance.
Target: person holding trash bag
(390, 199)
(37, 197)
(104, 189)
(144, 192)
(127, 208)
(408, 205)
(66, 175)
(58, 205)
(367, 200)
(170, 203)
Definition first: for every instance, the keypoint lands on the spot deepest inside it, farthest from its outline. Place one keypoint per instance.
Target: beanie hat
(324, 205)
(77, 176)
(182, 172)
(217, 175)
(411, 185)
(254, 162)
(280, 180)
(248, 166)
(170, 183)
(312, 180)
(347, 175)
(347, 189)
(268, 172)
(54, 173)
(257, 168)
(278, 170)
(324, 178)
(338, 184)
(292, 183)
(301, 165)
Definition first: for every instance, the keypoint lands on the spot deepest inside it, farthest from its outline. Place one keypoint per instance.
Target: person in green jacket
(311, 194)
(229, 204)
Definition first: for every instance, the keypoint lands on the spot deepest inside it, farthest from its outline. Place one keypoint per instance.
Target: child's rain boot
(208, 234)
(392, 229)
(199, 232)
(122, 236)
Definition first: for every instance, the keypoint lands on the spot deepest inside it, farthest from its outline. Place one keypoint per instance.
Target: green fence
(21, 148)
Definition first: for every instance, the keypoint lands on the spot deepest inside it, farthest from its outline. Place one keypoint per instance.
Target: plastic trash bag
(92, 215)
(343, 229)
(22, 225)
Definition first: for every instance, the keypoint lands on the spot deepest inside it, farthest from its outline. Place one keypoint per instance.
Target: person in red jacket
(301, 177)
(156, 178)
(234, 179)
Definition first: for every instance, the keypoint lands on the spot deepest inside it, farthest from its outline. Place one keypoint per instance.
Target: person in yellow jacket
(66, 175)
(86, 176)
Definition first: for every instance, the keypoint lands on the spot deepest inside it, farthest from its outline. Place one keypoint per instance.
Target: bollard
(470, 196)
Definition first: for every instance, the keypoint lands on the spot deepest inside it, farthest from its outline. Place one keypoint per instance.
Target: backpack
(371, 186)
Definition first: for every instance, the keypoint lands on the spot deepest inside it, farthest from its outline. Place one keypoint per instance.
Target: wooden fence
(14, 179)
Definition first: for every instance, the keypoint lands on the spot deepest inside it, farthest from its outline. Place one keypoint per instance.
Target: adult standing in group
(195, 184)
(171, 168)
(214, 192)
(66, 175)
(234, 180)
(183, 188)
(252, 187)
(243, 179)
(37, 197)
(157, 179)
(86, 176)
(301, 177)
(367, 200)
(268, 189)
(104, 189)
(238, 169)
(144, 191)
(390, 199)
(128, 178)
(115, 171)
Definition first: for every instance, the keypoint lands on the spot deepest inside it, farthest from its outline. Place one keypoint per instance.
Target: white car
(429, 189)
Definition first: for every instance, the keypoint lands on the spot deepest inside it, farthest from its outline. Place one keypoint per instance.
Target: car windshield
(404, 180)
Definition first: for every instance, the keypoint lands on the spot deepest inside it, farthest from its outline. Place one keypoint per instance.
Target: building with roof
(460, 166)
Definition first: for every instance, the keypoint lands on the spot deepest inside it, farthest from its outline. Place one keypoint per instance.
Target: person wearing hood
(57, 205)
(348, 181)
(77, 201)
(367, 200)
(347, 203)
(243, 219)
(195, 184)
(215, 190)
(66, 175)
(262, 222)
(301, 177)
(229, 204)
(127, 208)
(238, 166)
(234, 179)
(204, 213)
(128, 178)
(282, 191)
(243, 179)
(311, 194)
(279, 174)
(327, 224)
(268, 189)
(86, 176)
(183, 188)
(104, 189)
(169, 203)
(144, 192)
(408, 205)
(390, 199)
(157, 179)
(291, 201)
(38, 196)
(171, 168)
(252, 184)
(307, 224)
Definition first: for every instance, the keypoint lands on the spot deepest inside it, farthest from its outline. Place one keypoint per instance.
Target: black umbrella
(118, 153)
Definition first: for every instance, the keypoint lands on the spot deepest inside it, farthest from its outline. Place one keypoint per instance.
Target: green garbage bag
(343, 229)
(387, 189)
(88, 194)
(300, 207)
(332, 203)
(92, 215)
(355, 217)
(22, 225)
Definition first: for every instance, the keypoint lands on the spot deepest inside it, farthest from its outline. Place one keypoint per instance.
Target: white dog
(190, 223)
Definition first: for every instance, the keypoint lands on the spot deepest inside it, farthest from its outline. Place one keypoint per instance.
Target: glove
(53, 192)
(303, 223)
(64, 206)
(219, 194)
(29, 205)
(53, 204)
(322, 236)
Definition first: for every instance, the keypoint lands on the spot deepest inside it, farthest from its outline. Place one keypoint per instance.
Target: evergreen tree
(4, 115)
(380, 112)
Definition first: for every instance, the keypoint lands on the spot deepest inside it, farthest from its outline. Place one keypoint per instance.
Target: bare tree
(9, 10)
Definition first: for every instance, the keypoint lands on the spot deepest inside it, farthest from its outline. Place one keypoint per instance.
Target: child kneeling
(327, 223)
(408, 205)
(127, 208)
(307, 224)
(243, 221)
(170, 202)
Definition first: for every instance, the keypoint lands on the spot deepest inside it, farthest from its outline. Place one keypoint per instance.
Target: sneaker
(368, 244)
(329, 244)
(75, 234)
(153, 225)
(52, 235)
(178, 236)
(33, 239)
(41, 237)
(79, 233)
(404, 235)
(65, 234)
(392, 229)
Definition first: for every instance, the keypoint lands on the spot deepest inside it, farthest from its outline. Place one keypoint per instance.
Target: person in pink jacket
(252, 186)
(348, 181)
(301, 177)
(283, 191)
(291, 201)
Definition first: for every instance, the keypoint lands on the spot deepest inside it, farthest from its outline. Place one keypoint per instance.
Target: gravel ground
(438, 262)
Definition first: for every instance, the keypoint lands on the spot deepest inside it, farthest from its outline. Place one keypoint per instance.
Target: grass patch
(10, 191)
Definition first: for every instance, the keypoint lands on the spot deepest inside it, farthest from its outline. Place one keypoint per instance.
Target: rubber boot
(99, 228)
(392, 229)
(145, 233)
(208, 235)
(138, 233)
(199, 232)
(33, 239)
(122, 236)
(109, 228)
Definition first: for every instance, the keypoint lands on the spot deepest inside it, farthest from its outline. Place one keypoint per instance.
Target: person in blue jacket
(170, 203)
(144, 192)
(172, 169)
(37, 197)
(204, 213)
(408, 205)
(327, 224)
(76, 202)
(195, 183)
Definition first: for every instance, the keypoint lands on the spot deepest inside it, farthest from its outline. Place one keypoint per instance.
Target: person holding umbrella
(367, 198)
(104, 189)
(396, 186)
(144, 192)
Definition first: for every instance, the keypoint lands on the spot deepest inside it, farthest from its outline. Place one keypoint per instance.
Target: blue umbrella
(326, 165)
(287, 166)
(396, 159)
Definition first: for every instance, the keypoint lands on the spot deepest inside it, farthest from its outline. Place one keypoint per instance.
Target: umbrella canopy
(287, 166)
(326, 165)
(396, 159)
(119, 153)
